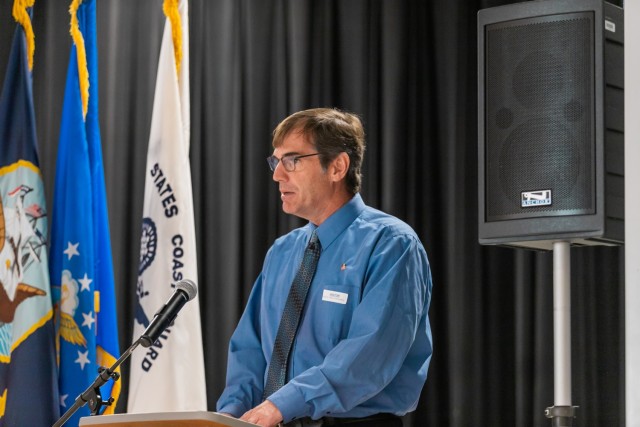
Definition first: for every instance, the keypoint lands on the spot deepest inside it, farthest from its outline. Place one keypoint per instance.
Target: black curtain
(408, 68)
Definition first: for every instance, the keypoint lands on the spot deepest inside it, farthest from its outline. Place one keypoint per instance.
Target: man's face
(307, 191)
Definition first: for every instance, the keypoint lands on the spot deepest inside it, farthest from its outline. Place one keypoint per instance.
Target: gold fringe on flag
(170, 9)
(22, 17)
(78, 40)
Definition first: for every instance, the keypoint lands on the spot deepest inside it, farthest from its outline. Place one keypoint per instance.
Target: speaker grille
(539, 115)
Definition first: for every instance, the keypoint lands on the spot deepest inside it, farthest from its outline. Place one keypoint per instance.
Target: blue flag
(81, 264)
(28, 375)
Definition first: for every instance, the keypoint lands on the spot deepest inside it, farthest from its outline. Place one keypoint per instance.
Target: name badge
(334, 296)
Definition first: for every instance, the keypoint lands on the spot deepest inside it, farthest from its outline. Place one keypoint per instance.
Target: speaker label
(531, 199)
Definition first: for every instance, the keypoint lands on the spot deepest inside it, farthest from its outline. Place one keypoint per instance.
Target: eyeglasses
(289, 161)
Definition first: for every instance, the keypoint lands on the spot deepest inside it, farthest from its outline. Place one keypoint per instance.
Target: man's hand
(265, 414)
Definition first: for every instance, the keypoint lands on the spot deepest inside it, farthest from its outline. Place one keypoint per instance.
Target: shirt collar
(339, 221)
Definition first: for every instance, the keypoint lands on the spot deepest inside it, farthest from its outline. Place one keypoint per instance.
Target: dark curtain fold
(409, 69)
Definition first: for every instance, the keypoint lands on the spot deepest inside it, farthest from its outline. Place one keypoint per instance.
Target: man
(363, 341)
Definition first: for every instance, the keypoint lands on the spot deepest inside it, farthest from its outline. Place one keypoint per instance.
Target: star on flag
(72, 249)
(85, 281)
(83, 359)
(88, 319)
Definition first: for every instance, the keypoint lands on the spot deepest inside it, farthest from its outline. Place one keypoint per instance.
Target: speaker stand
(562, 413)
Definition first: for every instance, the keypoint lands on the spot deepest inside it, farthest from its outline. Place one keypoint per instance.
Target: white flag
(168, 376)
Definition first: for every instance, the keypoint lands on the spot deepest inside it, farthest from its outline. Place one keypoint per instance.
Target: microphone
(185, 291)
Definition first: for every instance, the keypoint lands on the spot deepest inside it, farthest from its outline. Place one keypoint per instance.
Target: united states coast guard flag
(80, 255)
(28, 377)
(169, 375)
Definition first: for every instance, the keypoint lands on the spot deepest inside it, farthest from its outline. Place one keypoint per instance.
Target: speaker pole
(562, 413)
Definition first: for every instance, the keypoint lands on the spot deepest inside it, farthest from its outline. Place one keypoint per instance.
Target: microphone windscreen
(189, 287)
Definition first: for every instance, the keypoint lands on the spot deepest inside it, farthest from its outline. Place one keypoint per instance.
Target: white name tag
(334, 296)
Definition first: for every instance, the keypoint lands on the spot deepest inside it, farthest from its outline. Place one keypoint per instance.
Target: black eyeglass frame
(273, 161)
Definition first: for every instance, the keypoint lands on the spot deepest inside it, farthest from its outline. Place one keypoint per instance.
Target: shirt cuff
(236, 410)
(290, 402)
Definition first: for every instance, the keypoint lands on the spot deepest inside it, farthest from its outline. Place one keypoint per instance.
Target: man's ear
(339, 167)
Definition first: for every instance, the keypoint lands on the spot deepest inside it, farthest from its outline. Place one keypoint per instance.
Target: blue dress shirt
(364, 342)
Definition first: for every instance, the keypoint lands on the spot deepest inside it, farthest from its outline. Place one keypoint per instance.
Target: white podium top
(165, 419)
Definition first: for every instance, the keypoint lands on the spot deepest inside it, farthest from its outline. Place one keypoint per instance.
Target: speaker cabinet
(551, 123)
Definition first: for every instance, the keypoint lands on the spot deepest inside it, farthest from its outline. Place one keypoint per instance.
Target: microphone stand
(92, 393)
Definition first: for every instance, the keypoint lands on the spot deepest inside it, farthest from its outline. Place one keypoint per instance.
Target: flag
(168, 376)
(28, 373)
(80, 255)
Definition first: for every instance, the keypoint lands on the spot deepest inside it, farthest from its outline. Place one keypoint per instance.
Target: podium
(165, 419)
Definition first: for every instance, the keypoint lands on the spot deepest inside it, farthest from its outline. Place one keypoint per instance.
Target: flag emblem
(68, 328)
(22, 241)
(148, 246)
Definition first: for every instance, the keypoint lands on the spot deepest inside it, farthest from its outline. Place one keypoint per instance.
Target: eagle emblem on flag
(21, 244)
(68, 328)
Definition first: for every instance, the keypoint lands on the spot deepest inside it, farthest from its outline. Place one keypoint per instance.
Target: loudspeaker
(551, 124)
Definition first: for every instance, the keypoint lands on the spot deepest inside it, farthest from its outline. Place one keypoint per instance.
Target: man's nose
(279, 173)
